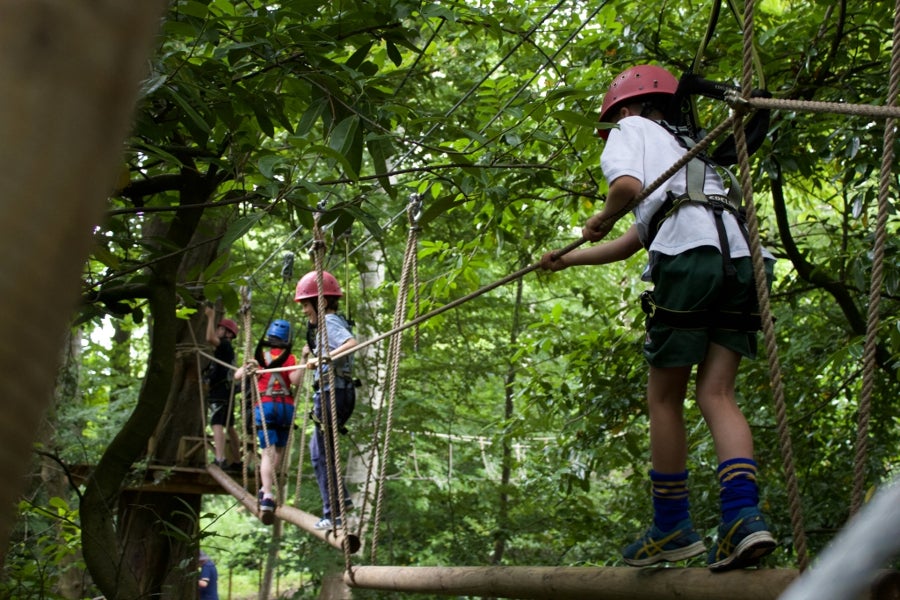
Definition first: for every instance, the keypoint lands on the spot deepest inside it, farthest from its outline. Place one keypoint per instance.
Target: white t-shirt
(643, 149)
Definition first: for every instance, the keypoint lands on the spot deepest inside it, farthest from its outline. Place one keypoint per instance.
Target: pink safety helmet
(308, 287)
(630, 84)
(229, 325)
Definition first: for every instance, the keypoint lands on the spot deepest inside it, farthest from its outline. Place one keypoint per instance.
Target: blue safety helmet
(279, 330)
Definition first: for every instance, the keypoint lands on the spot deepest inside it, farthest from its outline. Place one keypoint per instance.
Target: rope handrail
(865, 110)
(665, 176)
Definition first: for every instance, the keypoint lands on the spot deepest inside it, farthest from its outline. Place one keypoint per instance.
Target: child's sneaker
(267, 510)
(741, 543)
(325, 523)
(656, 546)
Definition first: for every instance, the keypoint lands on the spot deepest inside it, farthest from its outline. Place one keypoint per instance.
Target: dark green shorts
(695, 281)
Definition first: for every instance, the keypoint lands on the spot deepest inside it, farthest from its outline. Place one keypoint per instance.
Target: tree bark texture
(70, 71)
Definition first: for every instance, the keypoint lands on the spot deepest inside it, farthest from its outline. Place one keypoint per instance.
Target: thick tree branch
(817, 276)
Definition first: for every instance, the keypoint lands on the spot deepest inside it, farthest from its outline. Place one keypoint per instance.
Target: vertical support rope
(200, 393)
(306, 408)
(869, 353)
(762, 292)
(394, 347)
(328, 397)
(415, 214)
(253, 394)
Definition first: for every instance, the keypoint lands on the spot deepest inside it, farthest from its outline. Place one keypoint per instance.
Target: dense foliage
(260, 121)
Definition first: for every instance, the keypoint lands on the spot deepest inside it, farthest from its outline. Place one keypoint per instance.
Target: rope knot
(251, 367)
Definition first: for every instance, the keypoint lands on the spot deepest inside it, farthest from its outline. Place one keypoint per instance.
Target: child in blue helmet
(699, 263)
(274, 413)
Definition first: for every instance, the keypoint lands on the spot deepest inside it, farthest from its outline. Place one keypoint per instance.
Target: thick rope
(393, 365)
(869, 353)
(282, 470)
(415, 214)
(248, 428)
(862, 110)
(762, 292)
(201, 395)
(328, 391)
(302, 388)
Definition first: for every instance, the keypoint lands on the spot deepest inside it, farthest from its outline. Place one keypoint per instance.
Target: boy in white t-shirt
(702, 311)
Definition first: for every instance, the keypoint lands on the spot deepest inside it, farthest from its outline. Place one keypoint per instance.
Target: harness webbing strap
(700, 319)
(695, 177)
(727, 265)
(695, 173)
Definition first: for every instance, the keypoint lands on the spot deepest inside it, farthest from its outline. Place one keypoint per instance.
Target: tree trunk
(71, 71)
(137, 548)
(265, 586)
(503, 503)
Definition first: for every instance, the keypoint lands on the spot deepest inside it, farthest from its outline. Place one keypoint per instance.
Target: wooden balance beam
(336, 538)
(583, 583)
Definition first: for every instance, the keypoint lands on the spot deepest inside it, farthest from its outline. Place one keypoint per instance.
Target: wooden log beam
(301, 519)
(235, 489)
(576, 583)
(591, 583)
(307, 522)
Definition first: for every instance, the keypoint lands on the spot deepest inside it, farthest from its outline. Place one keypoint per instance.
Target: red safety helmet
(308, 287)
(641, 80)
(229, 325)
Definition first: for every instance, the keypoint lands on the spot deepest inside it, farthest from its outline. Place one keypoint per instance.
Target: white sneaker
(325, 523)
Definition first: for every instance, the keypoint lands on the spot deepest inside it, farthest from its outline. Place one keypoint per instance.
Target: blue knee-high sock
(670, 499)
(737, 486)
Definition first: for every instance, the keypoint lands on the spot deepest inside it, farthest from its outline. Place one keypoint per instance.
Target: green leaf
(342, 136)
(393, 53)
(357, 58)
(338, 158)
(574, 118)
(238, 229)
(380, 150)
(193, 116)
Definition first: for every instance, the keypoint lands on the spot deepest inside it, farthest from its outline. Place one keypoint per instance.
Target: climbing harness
(277, 393)
(695, 174)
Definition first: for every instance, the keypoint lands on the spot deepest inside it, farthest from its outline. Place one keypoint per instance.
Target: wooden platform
(187, 476)
(167, 479)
